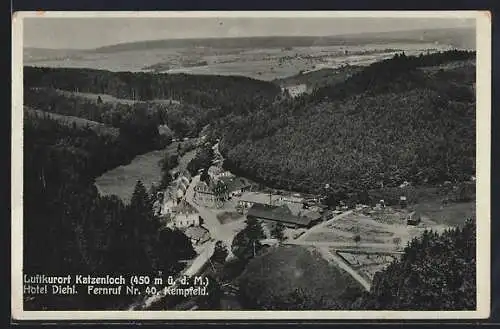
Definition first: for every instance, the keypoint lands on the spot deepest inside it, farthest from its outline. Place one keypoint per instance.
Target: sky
(88, 33)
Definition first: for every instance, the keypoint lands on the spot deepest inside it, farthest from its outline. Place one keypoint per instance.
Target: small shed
(413, 218)
(403, 202)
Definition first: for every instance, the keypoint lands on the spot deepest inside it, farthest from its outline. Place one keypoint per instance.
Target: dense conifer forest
(70, 229)
(403, 119)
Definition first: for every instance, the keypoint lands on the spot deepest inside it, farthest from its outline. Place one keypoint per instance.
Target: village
(215, 204)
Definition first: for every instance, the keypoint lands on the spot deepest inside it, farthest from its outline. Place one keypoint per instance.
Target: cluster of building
(178, 213)
(408, 214)
(220, 187)
(292, 211)
(187, 219)
(167, 200)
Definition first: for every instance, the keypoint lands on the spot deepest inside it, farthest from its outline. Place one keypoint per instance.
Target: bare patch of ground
(228, 217)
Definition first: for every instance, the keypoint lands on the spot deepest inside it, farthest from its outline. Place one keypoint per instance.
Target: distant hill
(459, 37)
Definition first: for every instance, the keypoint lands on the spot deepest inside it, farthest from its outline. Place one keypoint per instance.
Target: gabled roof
(202, 186)
(234, 183)
(278, 214)
(184, 207)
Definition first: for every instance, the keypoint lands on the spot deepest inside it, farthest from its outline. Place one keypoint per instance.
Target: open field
(68, 120)
(121, 181)
(385, 227)
(451, 214)
(260, 63)
(367, 264)
(111, 99)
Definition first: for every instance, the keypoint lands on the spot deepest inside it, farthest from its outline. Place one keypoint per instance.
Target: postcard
(251, 165)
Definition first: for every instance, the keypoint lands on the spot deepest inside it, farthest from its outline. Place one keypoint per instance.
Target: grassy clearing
(451, 214)
(121, 181)
(68, 120)
(112, 99)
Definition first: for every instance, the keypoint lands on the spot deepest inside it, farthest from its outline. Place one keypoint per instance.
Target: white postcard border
(483, 129)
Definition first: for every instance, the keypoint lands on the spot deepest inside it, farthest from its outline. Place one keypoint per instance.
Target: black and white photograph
(309, 162)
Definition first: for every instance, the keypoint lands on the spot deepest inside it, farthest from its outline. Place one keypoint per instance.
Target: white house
(185, 216)
(169, 202)
(184, 220)
(204, 195)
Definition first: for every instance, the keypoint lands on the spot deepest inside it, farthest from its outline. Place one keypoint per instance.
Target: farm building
(412, 218)
(282, 214)
(235, 185)
(247, 199)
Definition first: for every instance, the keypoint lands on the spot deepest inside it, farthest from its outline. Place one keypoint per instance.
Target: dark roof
(278, 214)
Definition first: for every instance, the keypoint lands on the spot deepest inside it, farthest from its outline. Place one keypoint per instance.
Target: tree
(254, 229)
(140, 203)
(205, 177)
(220, 253)
(214, 294)
(173, 247)
(166, 180)
(244, 247)
(220, 190)
(363, 197)
(357, 238)
(278, 232)
(397, 242)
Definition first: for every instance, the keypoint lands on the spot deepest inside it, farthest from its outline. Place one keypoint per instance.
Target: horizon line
(248, 37)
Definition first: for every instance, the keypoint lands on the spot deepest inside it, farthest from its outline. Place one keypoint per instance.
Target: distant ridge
(458, 37)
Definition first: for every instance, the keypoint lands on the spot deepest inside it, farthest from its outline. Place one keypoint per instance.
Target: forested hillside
(320, 78)
(70, 229)
(228, 94)
(395, 120)
(185, 120)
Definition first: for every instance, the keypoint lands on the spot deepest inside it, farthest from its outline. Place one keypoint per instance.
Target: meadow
(259, 63)
(120, 181)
